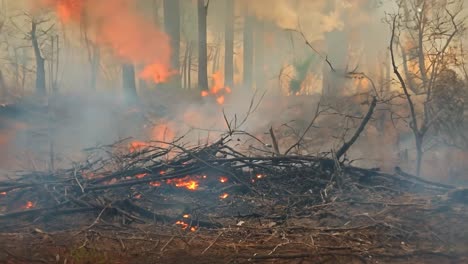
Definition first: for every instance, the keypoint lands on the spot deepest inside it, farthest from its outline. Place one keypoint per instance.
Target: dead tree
(40, 61)
(202, 45)
(430, 28)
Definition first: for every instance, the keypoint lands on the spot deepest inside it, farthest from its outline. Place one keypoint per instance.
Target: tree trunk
(172, 28)
(95, 67)
(40, 61)
(259, 54)
(128, 83)
(202, 47)
(229, 45)
(248, 51)
(419, 154)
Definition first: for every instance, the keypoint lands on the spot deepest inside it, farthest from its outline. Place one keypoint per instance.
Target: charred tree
(172, 28)
(40, 62)
(128, 83)
(229, 45)
(248, 50)
(202, 46)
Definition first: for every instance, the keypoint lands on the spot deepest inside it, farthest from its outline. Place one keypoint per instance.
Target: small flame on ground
(155, 184)
(138, 196)
(162, 172)
(137, 146)
(185, 182)
(223, 179)
(224, 196)
(3, 193)
(182, 224)
(141, 175)
(186, 216)
(29, 205)
(218, 89)
(259, 176)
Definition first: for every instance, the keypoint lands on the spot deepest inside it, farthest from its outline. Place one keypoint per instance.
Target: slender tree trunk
(40, 61)
(229, 45)
(202, 47)
(259, 54)
(128, 83)
(419, 154)
(248, 51)
(172, 28)
(95, 66)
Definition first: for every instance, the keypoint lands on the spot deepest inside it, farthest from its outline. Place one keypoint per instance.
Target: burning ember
(155, 184)
(141, 175)
(218, 89)
(224, 196)
(138, 196)
(182, 224)
(185, 182)
(29, 205)
(259, 176)
(186, 216)
(223, 179)
(3, 193)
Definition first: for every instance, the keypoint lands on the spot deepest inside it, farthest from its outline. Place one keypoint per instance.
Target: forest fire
(285, 131)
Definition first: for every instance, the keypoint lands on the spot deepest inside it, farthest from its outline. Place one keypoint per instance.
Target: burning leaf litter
(304, 198)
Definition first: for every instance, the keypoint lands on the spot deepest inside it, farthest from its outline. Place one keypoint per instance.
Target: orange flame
(224, 196)
(155, 184)
(3, 193)
(182, 224)
(186, 216)
(137, 146)
(218, 89)
(29, 205)
(223, 179)
(185, 182)
(141, 175)
(138, 196)
(117, 24)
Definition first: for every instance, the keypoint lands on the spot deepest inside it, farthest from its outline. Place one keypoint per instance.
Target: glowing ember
(162, 172)
(182, 224)
(155, 184)
(193, 229)
(224, 196)
(185, 182)
(29, 205)
(3, 193)
(141, 175)
(223, 179)
(186, 216)
(138, 196)
(259, 176)
(204, 176)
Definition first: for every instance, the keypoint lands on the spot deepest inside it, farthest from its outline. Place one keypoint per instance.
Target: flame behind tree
(301, 68)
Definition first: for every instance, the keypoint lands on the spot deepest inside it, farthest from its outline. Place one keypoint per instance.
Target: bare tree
(128, 83)
(425, 31)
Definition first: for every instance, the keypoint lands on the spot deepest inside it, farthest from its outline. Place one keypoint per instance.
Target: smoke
(116, 24)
